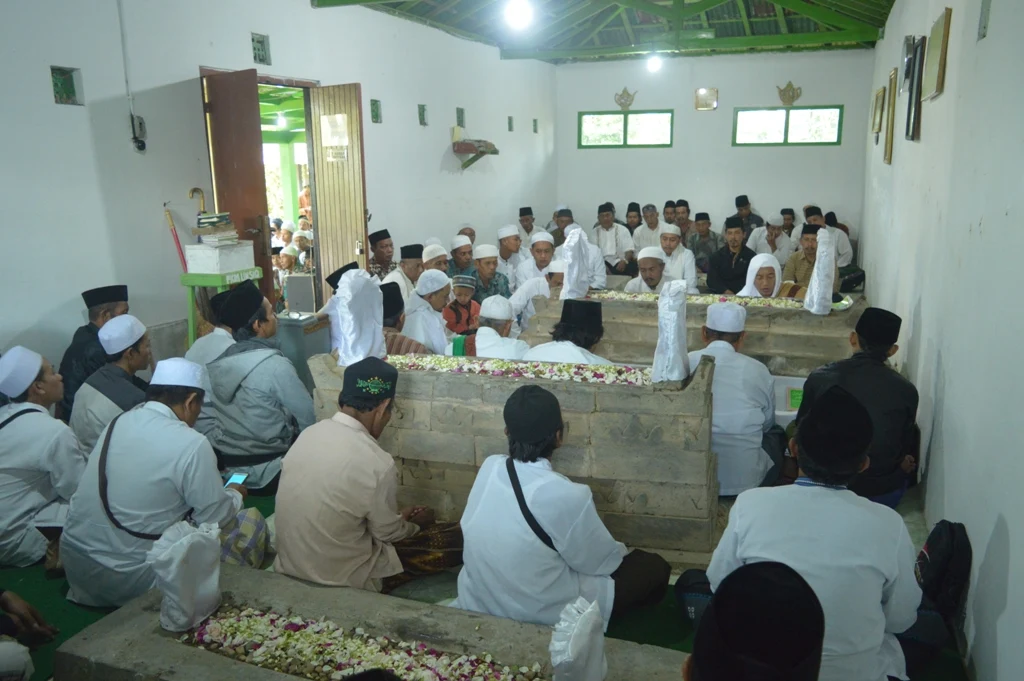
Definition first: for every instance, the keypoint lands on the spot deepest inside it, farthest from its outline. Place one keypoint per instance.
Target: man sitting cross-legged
(337, 518)
(534, 540)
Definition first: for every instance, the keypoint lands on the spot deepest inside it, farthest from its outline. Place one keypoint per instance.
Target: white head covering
(360, 318)
(727, 317)
(496, 307)
(756, 263)
(303, 233)
(557, 266)
(434, 251)
(179, 372)
(431, 281)
(460, 240)
(120, 333)
(18, 369)
(485, 251)
(542, 236)
(507, 231)
(572, 228)
(290, 250)
(577, 274)
(431, 241)
(776, 221)
(651, 252)
(667, 228)
(290, 226)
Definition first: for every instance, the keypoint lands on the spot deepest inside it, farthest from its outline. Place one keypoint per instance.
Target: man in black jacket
(727, 269)
(890, 399)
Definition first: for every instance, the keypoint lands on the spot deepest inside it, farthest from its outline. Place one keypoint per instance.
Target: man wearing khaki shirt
(801, 264)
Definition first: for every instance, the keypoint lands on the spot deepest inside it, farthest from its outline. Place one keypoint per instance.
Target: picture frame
(890, 122)
(878, 111)
(908, 61)
(913, 127)
(933, 81)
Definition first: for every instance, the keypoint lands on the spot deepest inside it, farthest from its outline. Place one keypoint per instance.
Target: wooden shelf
(475, 149)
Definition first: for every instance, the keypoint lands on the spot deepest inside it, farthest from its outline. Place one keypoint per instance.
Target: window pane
(598, 130)
(650, 128)
(760, 127)
(819, 126)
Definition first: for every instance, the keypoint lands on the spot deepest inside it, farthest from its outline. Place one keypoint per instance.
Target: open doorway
(285, 154)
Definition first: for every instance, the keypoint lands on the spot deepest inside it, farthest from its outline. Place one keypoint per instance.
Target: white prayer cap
(290, 250)
(431, 281)
(290, 226)
(120, 333)
(485, 251)
(651, 252)
(431, 241)
(18, 370)
(556, 266)
(542, 236)
(776, 221)
(303, 233)
(434, 251)
(178, 372)
(671, 229)
(459, 241)
(507, 231)
(727, 317)
(496, 307)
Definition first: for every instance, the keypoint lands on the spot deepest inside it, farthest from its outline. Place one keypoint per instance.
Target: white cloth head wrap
(18, 370)
(459, 241)
(507, 231)
(120, 333)
(756, 263)
(485, 251)
(359, 324)
(176, 371)
(727, 317)
(431, 281)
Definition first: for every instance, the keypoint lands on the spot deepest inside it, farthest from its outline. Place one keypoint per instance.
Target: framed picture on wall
(934, 79)
(890, 121)
(878, 112)
(913, 129)
(908, 61)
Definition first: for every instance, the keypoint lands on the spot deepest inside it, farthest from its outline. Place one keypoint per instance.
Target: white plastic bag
(671, 362)
(577, 646)
(577, 274)
(819, 290)
(186, 561)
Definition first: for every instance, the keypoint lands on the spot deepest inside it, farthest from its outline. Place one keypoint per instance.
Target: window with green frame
(625, 129)
(788, 126)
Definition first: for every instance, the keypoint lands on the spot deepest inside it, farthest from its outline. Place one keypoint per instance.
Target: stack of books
(215, 229)
(212, 219)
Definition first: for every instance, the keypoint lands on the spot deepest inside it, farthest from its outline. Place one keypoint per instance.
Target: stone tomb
(129, 645)
(789, 342)
(644, 451)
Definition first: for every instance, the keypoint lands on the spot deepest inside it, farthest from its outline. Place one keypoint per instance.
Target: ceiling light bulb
(702, 91)
(518, 14)
(281, 121)
(654, 64)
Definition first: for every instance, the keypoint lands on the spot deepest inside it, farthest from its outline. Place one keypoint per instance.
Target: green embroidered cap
(369, 379)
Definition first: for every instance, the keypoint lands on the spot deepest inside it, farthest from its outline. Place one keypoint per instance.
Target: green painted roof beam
(872, 17)
(672, 13)
(780, 16)
(406, 6)
(283, 137)
(818, 38)
(554, 29)
(742, 8)
(441, 9)
(440, 25)
(471, 10)
(596, 26)
(823, 15)
(628, 26)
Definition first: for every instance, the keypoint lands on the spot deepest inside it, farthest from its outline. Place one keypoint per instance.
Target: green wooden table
(221, 282)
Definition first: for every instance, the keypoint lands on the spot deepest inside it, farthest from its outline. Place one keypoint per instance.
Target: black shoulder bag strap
(14, 416)
(103, 486)
(530, 520)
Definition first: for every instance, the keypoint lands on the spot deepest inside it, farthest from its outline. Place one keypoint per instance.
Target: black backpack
(943, 567)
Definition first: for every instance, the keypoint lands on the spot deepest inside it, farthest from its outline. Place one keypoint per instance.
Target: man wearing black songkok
(749, 219)
(633, 217)
(890, 399)
(382, 247)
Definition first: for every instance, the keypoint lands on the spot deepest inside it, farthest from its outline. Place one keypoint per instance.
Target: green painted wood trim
(219, 280)
(597, 29)
(742, 8)
(785, 133)
(823, 15)
(629, 27)
(625, 129)
(406, 6)
(440, 25)
(552, 30)
(780, 16)
(283, 137)
(440, 9)
(873, 17)
(289, 181)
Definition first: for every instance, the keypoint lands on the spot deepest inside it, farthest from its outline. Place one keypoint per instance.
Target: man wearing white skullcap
(41, 460)
(542, 248)
(114, 387)
(461, 262)
(492, 337)
(489, 281)
(151, 471)
(509, 257)
(435, 257)
(652, 272)
(680, 262)
(743, 432)
(423, 319)
(597, 273)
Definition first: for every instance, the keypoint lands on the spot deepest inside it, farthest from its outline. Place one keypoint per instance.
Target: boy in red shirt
(462, 314)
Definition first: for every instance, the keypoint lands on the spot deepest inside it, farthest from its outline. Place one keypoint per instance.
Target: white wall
(94, 207)
(941, 243)
(702, 166)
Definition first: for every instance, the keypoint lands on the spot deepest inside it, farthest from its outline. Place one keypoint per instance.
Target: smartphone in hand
(236, 479)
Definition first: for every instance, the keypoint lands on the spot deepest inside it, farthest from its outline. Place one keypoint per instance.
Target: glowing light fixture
(281, 121)
(702, 91)
(654, 63)
(518, 14)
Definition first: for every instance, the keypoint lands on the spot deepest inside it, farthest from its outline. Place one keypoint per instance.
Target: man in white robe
(652, 272)
(596, 270)
(649, 233)
(576, 334)
(764, 277)
(680, 262)
(410, 267)
(516, 572)
(330, 309)
(423, 319)
(360, 318)
(743, 433)
(509, 256)
(614, 240)
(772, 239)
(537, 287)
(844, 250)
(491, 340)
(527, 228)
(41, 460)
(542, 250)
(150, 471)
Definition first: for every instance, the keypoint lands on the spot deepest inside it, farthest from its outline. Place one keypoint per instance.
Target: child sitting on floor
(461, 315)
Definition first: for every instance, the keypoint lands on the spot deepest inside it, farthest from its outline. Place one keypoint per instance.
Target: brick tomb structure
(645, 451)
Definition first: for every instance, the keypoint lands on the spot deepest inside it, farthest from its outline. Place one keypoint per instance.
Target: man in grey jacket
(258, 404)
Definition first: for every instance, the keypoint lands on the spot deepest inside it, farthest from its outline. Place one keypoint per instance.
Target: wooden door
(335, 134)
(232, 106)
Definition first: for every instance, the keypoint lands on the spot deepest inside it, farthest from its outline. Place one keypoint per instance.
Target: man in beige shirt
(800, 265)
(337, 516)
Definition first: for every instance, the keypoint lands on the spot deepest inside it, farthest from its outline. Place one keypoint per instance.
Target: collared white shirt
(744, 410)
(525, 238)
(490, 345)
(598, 273)
(522, 302)
(683, 265)
(844, 250)
(645, 237)
(638, 285)
(614, 243)
(758, 243)
(563, 351)
(405, 283)
(527, 270)
(508, 571)
(41, 463)
(508, 268)
(426, 325)
(158, 470)
(857, 556)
